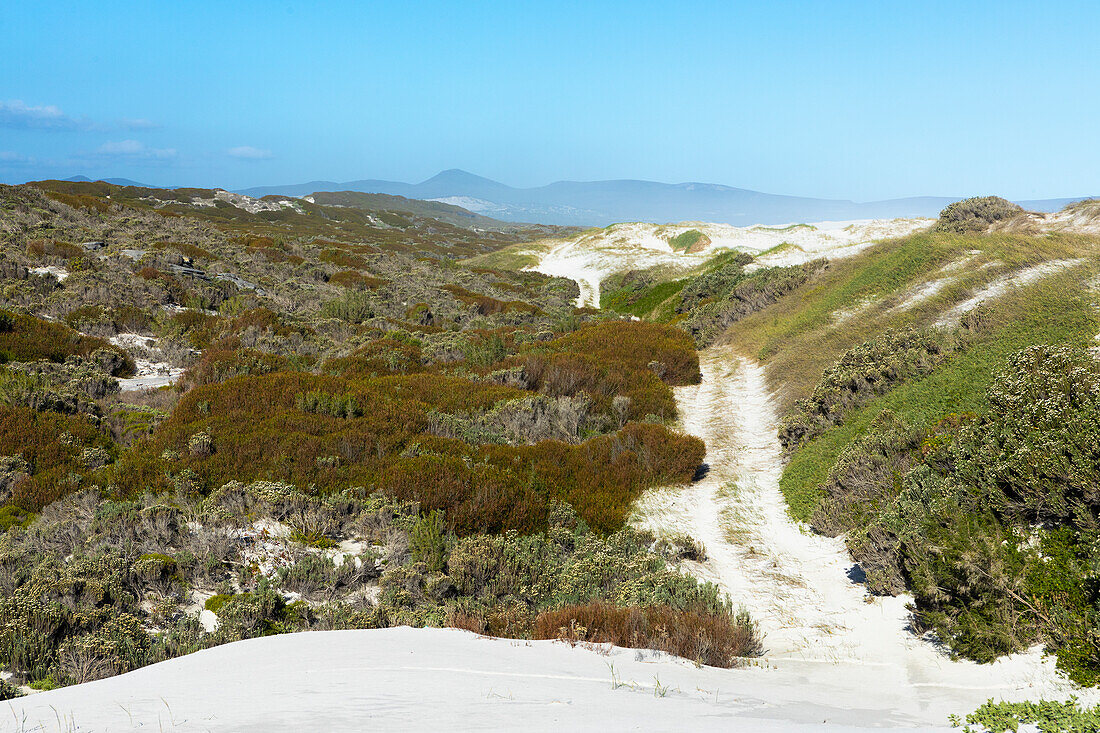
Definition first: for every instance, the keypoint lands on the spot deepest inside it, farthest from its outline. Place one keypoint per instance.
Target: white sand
(150, 374)
(592, 256)
(58, 272)
(433, 679)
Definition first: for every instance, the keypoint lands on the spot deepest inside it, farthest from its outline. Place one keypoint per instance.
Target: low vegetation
(1046, 716)
(118, 601)
(704, 305)
(365, 434)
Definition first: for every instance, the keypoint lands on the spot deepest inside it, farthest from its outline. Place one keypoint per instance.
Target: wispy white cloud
(134, 150)
(16, 114)
(128, 123)
(9, 159)
(248, 152)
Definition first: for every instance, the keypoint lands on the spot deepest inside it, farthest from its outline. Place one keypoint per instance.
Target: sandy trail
(820, 626)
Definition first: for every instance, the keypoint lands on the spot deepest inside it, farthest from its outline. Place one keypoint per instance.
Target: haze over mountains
(599, 203)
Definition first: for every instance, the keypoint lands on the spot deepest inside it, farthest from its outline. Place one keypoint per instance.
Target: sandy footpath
(819, 624)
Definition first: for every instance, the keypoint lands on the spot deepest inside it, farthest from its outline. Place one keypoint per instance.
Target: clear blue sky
(861, 100)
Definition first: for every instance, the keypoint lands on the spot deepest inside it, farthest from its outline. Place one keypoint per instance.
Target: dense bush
(632, 360)
(114, 602)
(976, 214)
(259, 430)
(1042, 432)
(487, 306)
(218, 365)
(715, 300)
(863, 372)
(31, 339)
(51, 448)
(716, 283)
(862, 484)
(386, 355)
(1047, 716)
(989, 519)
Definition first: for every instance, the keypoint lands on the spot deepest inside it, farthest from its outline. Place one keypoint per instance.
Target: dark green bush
(863, 372)
(428, 541)
(714, 301)
(976, 214)
(8, 691)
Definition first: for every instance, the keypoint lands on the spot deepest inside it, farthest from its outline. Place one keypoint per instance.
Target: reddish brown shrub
(719, 640)
(51, 444)
(32, 339)
(259, 431)
(381, 356)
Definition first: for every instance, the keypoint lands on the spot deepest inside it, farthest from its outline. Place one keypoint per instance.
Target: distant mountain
(598, 203)
(445, 212)
(115, 181)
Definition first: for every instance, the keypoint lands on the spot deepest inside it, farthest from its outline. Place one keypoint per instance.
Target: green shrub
(991, 522)
(323, 403)
(313, 538)
(428, 541)
(690, 241)
(714, 301)
(863, 372)
(1048, 716)
(976, 214)
(352, 306)
(8, 691)
(13, 516)
(1043, 427)
(215, 602)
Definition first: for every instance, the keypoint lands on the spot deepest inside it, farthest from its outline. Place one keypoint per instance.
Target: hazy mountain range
(598, 203)
(605, 202)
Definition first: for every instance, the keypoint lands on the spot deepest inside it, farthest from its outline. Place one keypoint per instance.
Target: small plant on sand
(1047, 716)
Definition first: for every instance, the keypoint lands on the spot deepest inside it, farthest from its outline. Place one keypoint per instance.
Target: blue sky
(862, 100)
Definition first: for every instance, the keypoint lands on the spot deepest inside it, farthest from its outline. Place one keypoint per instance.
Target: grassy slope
(800, 336)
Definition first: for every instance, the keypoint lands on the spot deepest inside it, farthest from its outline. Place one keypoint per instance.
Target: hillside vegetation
(365, 433)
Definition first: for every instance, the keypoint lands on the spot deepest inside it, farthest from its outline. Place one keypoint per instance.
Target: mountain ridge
(599, 203)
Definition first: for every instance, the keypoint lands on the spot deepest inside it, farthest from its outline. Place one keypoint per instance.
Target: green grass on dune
(800, 336)
(642, 303)
(657, 301)
(686, 240)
